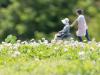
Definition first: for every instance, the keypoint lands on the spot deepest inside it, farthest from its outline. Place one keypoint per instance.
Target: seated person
(65, 32)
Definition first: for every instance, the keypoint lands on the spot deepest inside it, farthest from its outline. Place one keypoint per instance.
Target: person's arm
(73, 23)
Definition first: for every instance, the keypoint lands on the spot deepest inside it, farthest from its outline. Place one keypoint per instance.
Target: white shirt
(82, 26)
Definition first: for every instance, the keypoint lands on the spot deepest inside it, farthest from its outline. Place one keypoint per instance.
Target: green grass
(62, 58)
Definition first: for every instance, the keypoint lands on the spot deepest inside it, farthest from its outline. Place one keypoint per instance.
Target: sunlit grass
(43, 58)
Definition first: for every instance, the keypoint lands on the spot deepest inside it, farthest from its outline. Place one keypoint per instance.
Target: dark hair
(79, 11)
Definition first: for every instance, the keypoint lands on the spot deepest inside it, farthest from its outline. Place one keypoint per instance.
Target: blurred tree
(26, 18)
(4, 3)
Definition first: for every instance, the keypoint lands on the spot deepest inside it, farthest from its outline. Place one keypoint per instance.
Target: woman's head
(79, 11)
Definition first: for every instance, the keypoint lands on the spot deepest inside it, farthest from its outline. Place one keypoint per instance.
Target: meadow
(56, 58)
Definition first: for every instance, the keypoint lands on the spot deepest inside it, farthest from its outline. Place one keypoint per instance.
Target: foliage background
(28, 19)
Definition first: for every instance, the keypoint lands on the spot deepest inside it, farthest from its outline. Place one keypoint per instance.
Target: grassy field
(43, 58)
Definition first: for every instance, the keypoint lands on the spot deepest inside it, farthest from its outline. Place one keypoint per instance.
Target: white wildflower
(18, 41)
(3, 42)
(93, 39)
(43, 39)
(56, 48)
(16, 53)
(15, 47)
(94, 62)
(39, 41)
(1, 47)
(71, 38)
(82, 55)
(36, 59)
(98, 44)
(59, 42)
(24, 42)
(89, 42)
(45, 42)
(34, 43)
(53, 41)
(65, 49)
(32, 40)
(92, 49)
(82, 45)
